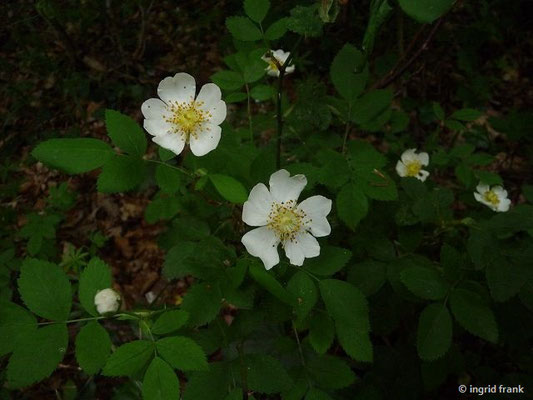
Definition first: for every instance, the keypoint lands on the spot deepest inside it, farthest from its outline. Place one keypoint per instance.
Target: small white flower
(107, 301)
(411, 163)
(495, 198)
(282, 220)
(180, 118)
(280, 56)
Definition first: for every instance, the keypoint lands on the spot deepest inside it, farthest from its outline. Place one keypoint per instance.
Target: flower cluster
(411, 163)
(107, 301)
(180, 117)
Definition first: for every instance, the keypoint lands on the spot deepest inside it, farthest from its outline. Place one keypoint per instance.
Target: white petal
(210, 95)
(218, 113)
(401, 169)
(316, 208)
(408, 156)
(157, 126)
(206, 140)
(272, 72)
(256, 209)
(479, 197)
(283, 187)
(304, 246)
(504, 205)
(262, 243)
(180, 87)
(289, 69)
(423, 158)
(500, 192)
(153, 108)
(422, 175)
(482, 188)
(171, 141)
(281, 56)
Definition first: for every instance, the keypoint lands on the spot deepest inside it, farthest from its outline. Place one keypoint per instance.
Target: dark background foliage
(62, 63)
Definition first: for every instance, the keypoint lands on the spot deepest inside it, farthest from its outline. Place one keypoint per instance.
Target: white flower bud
(107, 301)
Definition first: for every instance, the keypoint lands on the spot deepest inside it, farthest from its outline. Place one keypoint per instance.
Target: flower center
(285, 220)
(491, 197)
(187, 118)
(272, 64)
(413, 168)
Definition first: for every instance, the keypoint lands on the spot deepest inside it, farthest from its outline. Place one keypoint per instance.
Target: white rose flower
(495, 198)
(411, 163)
(282, 220)
(180, 118)
(107, 301)
(280, 56)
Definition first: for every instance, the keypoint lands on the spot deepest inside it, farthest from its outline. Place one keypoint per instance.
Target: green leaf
(424, 282)
(202, 302)
(160, 382)
(125, 133)
(15, 322)
(45, 289)
(93, 347)
(168, 178)
(368, 276)
(330, 372)
(95, 277)
(267, 375)
(117, 174)
(228, 80)
(161, 208)
(235, 97)
(266, 280)
(355, 342)
(129, 359)
(349, 72)
(243, 29)
(321, 332)
(74, 156)
(209, 385)
(36, 355)
(466, 114)
(527, 190)
(330, 261)
(277, 29)
(371, 105)
(256, 9)
(229, 188)
(165, 154)
(426, 11)
(352, 205)
(262, 92)
(170, 321)
(345, 303)
(379, 12)
(473, 314)
(434, 335)
(504, 278)
(182, 353)
(302, 287)
(438, 111)
(316, 394)
(305, 21)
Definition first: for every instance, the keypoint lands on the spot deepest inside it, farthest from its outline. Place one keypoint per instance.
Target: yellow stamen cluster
(187, 118)
(413, 168)
(286, 221)
(272, 64)
(491, 197)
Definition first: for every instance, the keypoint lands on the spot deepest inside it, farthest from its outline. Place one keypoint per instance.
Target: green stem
(249, 109)
(279, 96)
(70, 321)
(182, 170)
(244, 373)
